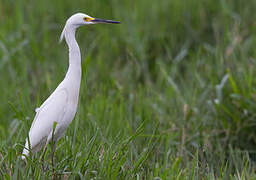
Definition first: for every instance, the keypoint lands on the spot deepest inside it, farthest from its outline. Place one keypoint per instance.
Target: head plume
(62, 35)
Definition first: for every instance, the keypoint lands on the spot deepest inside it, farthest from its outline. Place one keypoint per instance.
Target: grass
(168, 94)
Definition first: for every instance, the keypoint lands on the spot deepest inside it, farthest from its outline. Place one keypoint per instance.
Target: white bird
(61, 105)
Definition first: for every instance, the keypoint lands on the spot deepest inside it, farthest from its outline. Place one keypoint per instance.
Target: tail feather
(25, 151)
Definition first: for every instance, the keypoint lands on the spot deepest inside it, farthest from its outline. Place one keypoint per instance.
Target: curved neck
(74, 51)
(74, 70)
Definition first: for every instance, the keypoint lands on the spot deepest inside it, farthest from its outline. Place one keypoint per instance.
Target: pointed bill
(96, 20)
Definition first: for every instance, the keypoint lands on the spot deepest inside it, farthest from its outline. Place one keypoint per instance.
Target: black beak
(96, 20)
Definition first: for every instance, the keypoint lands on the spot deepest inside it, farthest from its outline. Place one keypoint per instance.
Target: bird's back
(52, 110)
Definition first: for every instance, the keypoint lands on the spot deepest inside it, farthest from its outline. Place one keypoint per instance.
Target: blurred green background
(168, 93)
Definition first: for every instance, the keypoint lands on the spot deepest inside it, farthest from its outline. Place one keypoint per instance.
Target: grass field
(168, 94)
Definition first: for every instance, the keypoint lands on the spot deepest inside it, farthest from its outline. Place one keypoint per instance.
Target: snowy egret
(61, 106)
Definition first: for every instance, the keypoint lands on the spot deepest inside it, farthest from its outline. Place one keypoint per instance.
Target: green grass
(168, 94)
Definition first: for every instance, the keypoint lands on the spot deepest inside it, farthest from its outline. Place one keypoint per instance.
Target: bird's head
(80, 19)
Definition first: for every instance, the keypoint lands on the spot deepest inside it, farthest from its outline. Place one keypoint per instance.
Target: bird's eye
(87, 19)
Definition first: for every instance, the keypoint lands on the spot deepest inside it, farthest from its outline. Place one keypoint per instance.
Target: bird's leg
(53, 151)
(45, 148)
(53, 148)
(53, 165)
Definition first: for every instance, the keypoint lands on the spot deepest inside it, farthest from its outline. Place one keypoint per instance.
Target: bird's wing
(52, 110)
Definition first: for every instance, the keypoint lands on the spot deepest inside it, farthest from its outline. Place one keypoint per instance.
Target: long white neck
(74, 70)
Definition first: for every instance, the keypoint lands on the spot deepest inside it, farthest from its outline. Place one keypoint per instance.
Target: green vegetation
(168, 94)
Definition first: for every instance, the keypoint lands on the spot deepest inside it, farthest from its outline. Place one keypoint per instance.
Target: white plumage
(61, 106)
